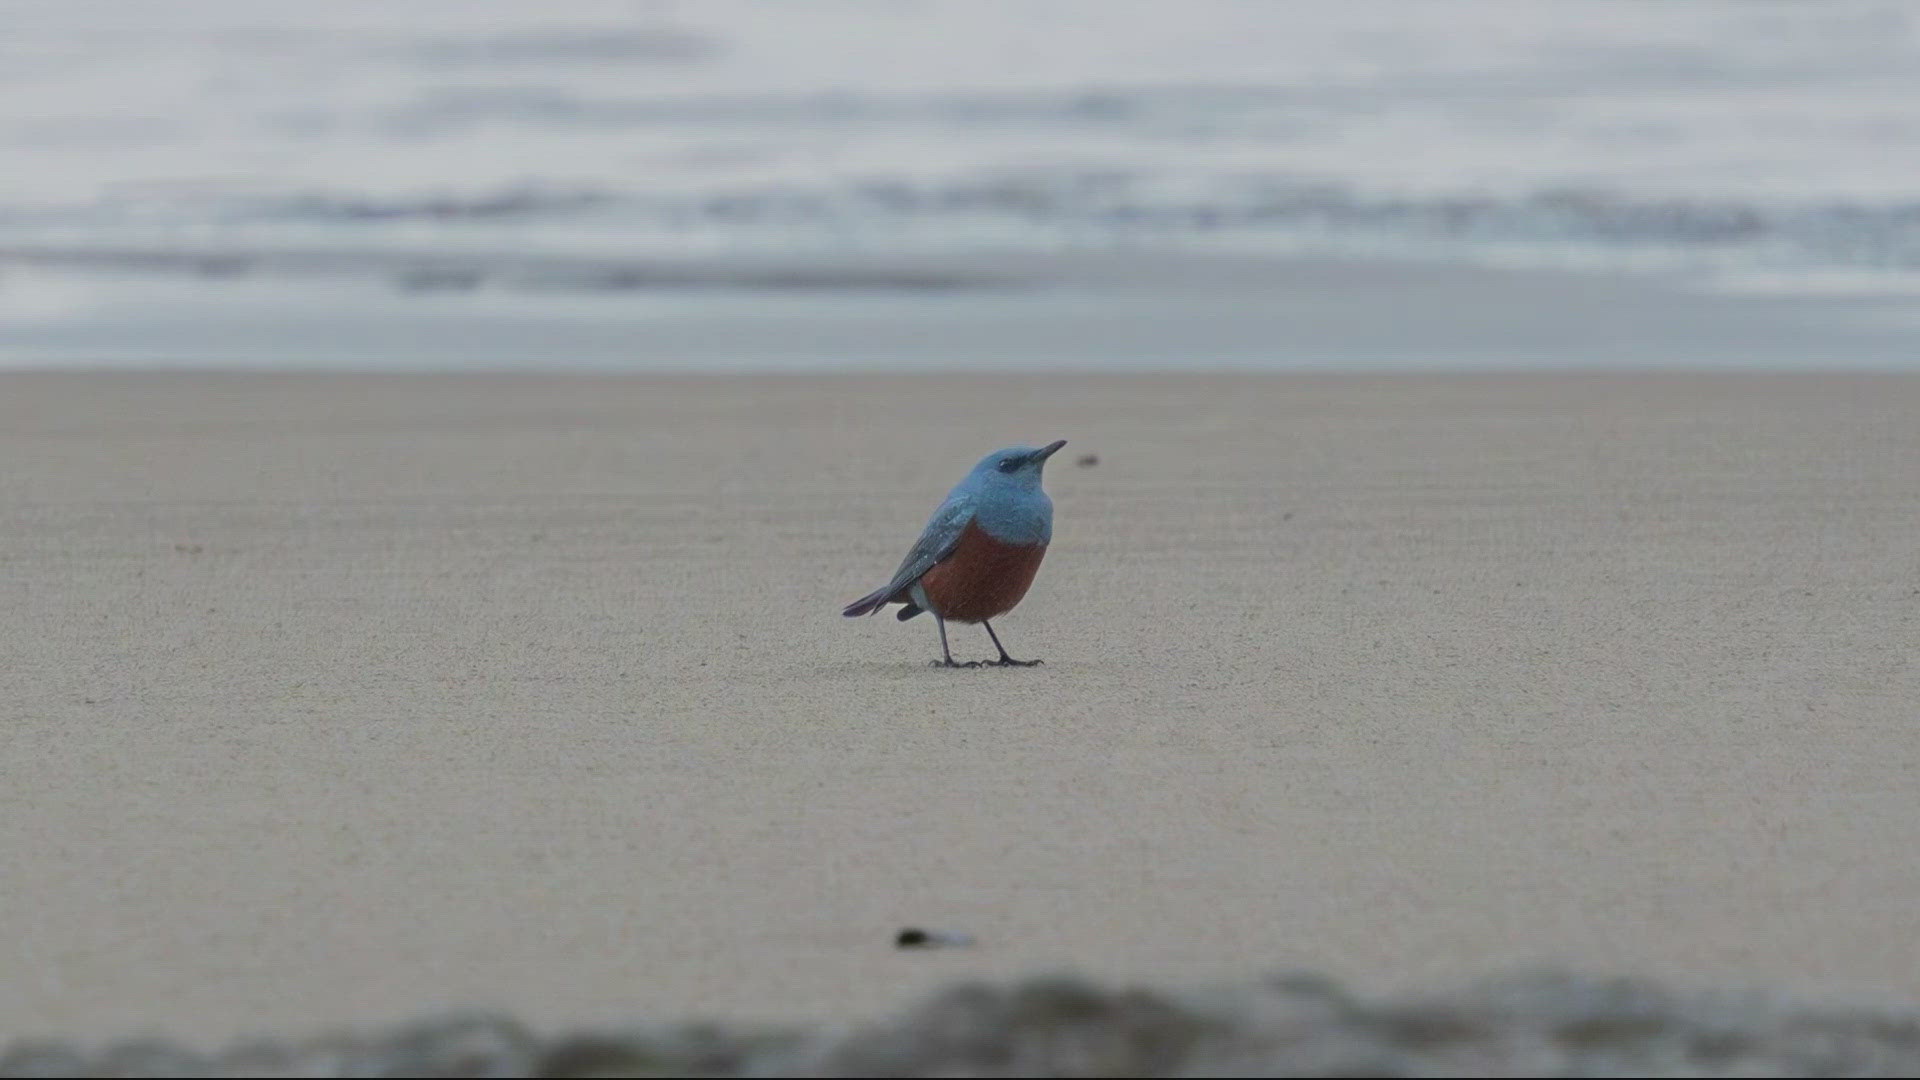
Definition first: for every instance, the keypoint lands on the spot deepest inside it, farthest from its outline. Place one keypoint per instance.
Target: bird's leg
(1005, 660)
(944, 651)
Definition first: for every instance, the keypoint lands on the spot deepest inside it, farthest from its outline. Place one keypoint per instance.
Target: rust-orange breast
(983, 577)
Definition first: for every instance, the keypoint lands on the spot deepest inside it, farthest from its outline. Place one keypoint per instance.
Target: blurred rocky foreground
(1541, 1025)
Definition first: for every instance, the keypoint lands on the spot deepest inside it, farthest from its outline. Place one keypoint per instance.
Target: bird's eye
(1008, 465)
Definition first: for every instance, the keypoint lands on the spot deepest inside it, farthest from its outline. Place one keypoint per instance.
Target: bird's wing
(936, 543)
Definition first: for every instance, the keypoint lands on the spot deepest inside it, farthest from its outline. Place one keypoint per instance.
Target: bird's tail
(869, 603)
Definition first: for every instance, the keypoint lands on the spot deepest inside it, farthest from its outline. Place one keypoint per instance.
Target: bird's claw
(1008, 661)
(952, 663)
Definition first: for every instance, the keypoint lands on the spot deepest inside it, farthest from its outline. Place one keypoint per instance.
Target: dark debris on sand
(1301, 1025)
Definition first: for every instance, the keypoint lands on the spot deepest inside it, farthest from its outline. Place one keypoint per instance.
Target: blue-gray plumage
(979, 551)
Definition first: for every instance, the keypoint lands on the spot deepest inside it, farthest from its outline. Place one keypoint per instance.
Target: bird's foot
(1008, 661)
(953, 664)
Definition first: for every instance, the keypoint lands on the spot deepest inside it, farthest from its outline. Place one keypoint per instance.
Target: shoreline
(1122, 310)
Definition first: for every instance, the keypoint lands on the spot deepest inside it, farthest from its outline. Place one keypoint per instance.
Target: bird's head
(1016, 467)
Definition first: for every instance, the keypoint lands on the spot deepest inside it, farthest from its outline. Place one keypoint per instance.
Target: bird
(979, 552)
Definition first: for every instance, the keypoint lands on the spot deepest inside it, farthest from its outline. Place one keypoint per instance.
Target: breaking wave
(1709, 134)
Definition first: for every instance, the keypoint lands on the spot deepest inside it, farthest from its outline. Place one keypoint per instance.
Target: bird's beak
(1046, 451)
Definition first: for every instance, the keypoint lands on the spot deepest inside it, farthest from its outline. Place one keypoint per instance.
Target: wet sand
(339, 699)
(1013, 312)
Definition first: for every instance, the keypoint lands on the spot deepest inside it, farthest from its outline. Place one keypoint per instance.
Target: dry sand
(338, 699)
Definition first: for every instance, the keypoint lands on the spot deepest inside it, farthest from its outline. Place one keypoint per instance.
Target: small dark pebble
(915, 938)
(1087, 461)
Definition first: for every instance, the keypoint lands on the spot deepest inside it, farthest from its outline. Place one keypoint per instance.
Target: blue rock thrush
(979, 552)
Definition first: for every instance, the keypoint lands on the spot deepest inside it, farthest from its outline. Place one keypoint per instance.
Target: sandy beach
(330, 699)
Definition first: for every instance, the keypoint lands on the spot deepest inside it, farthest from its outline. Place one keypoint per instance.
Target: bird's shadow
(924, 667)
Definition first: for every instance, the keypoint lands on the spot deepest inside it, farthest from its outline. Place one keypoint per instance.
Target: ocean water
(1743, 147)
